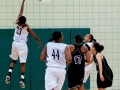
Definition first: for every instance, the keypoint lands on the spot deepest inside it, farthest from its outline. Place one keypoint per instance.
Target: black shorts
(108, 75)
(75, 76)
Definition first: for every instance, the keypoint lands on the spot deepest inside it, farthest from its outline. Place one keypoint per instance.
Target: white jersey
(88, 45)
(56, 55)
(20, 34)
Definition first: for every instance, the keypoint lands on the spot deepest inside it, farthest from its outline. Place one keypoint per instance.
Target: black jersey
(77, 56)
(106, 72)
(76, 69)
(104, 63)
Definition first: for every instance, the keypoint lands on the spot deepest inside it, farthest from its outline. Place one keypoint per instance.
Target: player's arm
(21, 10)
(87, 53)
(43, 54)
(91, 60)
(99, 59)
(35, 36)
(86, 45)
(68, 55)
(71, 47)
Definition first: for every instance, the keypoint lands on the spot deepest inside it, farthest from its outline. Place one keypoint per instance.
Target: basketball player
(55, 53)
(76, 68)
(88, 39)
(19, 46)
(104, 72)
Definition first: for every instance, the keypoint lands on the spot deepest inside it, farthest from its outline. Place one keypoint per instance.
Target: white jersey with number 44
(20, 34)
(56, 55)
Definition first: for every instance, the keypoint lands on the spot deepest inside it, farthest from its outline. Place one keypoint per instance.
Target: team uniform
(56, 64)
(89, 67)
(19, 46)
(107, 74)
(76, 68)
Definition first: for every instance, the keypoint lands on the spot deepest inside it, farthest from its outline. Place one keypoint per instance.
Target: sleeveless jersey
(88, 45)
(77, 57)
(20, 34)
(105, 65)
(56, 55)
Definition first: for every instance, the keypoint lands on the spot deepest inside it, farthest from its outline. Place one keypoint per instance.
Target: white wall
(102, 16)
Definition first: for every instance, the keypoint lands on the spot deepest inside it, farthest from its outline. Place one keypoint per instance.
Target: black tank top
(105, 65)
(77, 57)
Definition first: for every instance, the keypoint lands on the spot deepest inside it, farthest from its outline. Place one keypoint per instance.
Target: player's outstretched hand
(40, 44)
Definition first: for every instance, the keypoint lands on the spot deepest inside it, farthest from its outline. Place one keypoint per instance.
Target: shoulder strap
(87, 46)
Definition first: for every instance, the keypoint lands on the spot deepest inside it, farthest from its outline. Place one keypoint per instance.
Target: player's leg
(76, 88)
(22, 85)
(88, 70)
(101, 88)
(60, 74)
(14, 57)
(71, 75)
(50, 79)
(80, 78)
(81, 87)
(23, 52)
(8, 77)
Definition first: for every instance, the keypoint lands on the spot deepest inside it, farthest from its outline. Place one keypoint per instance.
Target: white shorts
(88, 70)
(19, 49)
(54, 78)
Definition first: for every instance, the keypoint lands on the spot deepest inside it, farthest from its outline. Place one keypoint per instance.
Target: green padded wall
(37, 66)
(16, 75)
(4, 58)
(83, 32)
(35, 69)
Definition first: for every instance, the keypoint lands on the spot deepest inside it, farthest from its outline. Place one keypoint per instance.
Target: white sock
(22, 76)
(10, 70)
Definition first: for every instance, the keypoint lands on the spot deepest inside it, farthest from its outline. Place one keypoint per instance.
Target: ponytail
(78, 38)
(101, 48)
(92, 38)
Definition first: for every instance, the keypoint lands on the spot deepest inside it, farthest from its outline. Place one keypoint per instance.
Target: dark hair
(22, 21)
(92, 38)
(78, 38)
(98, 47)
(56, 35)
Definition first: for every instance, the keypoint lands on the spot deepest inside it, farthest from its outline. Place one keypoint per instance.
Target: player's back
(20, 34)
(56, 55)
(77, 56)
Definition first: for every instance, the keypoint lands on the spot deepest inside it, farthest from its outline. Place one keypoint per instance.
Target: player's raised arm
(35, 36)
(21, 10)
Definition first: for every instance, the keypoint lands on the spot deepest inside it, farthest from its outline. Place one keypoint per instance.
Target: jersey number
(19, 30)
(77, 59)
(55, 54)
